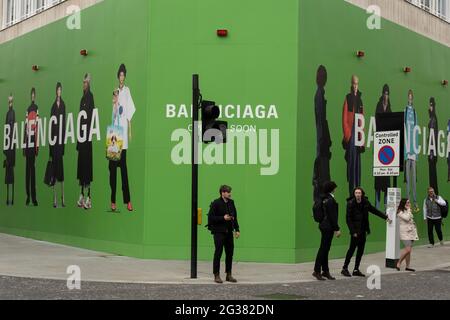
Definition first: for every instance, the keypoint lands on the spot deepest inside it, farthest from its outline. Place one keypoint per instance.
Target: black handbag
(49, 178)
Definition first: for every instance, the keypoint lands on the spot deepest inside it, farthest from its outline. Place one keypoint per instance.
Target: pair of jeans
(434, 224)
(360, 243)
(411, 179)
(223, 240)
(321, 175)
(378, 198)
(353, 157)
(432, 169)
(324, 250)
(30, 177)
(122, 164)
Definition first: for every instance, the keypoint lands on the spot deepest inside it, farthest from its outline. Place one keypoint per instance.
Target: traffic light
(210, 114)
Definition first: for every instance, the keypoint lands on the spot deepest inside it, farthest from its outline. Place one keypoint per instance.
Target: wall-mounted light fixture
(35, 68)
(84, 52)
(407, 69)
(222, 33)
(360, 54)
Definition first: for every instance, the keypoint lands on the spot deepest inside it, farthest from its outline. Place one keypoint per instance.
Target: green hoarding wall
(331, 36)
(263, 76)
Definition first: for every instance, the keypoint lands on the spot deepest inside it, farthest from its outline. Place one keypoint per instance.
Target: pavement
(422, 285)
(29, 259)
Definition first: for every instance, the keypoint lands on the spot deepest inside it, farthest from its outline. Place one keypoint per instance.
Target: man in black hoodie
(223, 224)
(433, 157)
(329, 228)
(358, 208)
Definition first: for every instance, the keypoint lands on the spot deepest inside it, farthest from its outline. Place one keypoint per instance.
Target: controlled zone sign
(386, 162)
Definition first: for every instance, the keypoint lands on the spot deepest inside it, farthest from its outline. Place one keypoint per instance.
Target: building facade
(264, 76)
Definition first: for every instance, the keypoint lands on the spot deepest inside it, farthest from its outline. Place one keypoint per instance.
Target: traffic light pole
(194, 163)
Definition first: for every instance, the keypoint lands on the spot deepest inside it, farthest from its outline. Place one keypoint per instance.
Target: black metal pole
(194, 192)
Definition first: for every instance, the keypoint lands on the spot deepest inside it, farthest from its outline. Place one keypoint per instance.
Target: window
(15, 11)
(439, 8)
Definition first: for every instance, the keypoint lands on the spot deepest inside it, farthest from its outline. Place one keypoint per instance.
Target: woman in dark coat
(57, 151)
(433, 157)
(382, 183)
(85, 169)
(10, 154)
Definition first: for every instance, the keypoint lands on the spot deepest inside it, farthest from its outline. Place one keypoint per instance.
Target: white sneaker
(430, 246)
(88, 203)
(442, 243)
(80, 202)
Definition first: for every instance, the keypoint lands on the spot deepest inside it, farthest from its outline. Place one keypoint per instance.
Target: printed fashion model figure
(123, 111)
(58, 134)
(382, 183)
(85, 168)
(411, 156)
(323, 139)
(448, 155)
(31, 149)
(10, 154)
(433, 157)
(352, 105)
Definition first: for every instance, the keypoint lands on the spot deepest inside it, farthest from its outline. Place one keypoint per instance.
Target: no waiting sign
(386, 155)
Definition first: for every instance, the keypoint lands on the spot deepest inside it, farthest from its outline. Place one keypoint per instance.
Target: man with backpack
(223, 224)
(326, 214)
(434, 209)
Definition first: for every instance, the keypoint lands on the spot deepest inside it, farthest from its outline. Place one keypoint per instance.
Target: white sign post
(392, 233)
(386, 163)
(386, 156)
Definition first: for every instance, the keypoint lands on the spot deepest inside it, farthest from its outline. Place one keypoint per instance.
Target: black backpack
(209, 225)
(444, 210)
(319, 210)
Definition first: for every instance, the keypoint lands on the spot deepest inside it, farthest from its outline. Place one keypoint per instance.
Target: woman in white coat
(408, 232)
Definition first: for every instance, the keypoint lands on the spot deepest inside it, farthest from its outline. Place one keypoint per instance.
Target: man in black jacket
(329, 228)
(358, 208)
(223, 224)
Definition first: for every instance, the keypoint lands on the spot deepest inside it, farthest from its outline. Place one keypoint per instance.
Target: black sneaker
(318, 276)
(346, 273)
(358, 273)
(328, 276)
